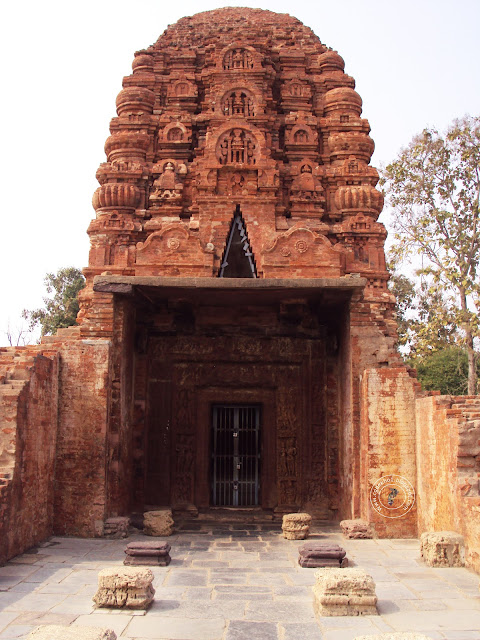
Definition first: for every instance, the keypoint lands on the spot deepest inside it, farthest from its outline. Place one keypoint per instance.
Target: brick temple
(235, 346)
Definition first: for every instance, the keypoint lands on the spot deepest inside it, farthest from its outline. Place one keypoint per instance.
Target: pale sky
(415, 62)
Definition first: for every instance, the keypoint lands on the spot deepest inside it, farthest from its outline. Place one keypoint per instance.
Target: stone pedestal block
(344, 592)
(442, 549)
(296, 526)
(116, 527)
(321, 554)
(356, 529)
(151, 553)
(124, 587)
(59, 632)
(158, 523)
(396, 635)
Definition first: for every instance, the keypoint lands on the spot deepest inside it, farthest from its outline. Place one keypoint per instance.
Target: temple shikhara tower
(235, 346)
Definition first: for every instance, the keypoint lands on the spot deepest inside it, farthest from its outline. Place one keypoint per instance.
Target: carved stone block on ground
(116, 527)
(442, 549)
(59, 632)
(356, 529)
(344, 592)
(158, 523)
(124, 587)
(296, 526)
(321, 554)
(149, 553)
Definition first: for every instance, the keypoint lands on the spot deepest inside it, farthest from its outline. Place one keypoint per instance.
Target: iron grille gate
(235, 455)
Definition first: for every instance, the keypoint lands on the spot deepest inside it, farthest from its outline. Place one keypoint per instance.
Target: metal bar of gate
(236, 434)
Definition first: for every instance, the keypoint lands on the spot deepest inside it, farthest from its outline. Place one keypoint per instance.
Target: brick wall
(28, 408)
(387, 445)
(448, 453)
(80, 479)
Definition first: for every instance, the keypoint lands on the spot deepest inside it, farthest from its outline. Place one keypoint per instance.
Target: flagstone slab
(59, 632)
(175, 628)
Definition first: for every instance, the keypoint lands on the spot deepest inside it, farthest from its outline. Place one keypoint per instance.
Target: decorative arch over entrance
(238, 260)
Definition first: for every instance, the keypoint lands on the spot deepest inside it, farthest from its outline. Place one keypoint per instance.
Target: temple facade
(235, 346)
(237, 266)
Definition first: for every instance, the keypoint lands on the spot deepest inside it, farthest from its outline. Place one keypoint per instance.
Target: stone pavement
(236, 582)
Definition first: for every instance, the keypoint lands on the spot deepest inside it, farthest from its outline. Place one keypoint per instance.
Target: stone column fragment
(124, 587)
(158, 523)
(357, 528)
(150, 553)
(296, 526)
(442, 549)
(116, 527)
(321, 554)
(344, 592)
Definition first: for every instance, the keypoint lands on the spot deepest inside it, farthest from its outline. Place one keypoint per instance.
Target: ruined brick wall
(387, 444)
(28, 434)
(53, 446)
(448, 454)
(80, 478)
(120, 438)
(368, 343)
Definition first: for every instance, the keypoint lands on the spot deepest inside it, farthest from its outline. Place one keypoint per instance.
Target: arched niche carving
(238, 102)
(175, 132)
(302, 134)
(183, 88)
(237, 146)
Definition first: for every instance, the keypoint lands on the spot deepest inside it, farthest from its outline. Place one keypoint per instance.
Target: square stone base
(356, 529)
(124, 588)
(442, 549)
(147, 561)
(344, 592)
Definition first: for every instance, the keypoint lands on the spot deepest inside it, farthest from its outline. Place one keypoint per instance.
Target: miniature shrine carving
(238, 59)
(237, 146)
(238, 103)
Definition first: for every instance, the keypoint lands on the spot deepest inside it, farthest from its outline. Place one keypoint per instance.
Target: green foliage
(428, 336)
(435, 326)
(445, 371)
(404, 291)
(61, 307)
(433, 189)
(425, 319)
